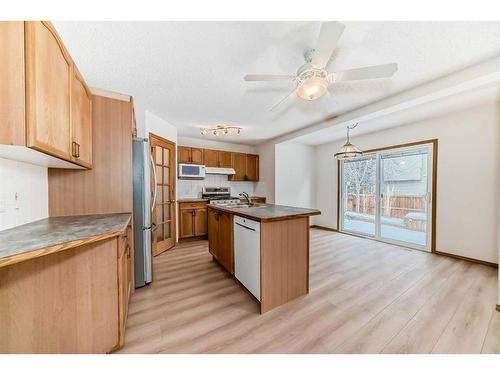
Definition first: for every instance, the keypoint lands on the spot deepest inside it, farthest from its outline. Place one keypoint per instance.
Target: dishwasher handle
(244, 226)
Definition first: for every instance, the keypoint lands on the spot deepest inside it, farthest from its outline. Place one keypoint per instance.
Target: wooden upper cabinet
(12, 129)
(81, 121)
(217, 158)
(224, 159)
(211, 158)
(252, 168)
(44, 101)
(183, 154)
(189, 155)
(48, 87)
(239, 165)
(246, 166)
(196, 155)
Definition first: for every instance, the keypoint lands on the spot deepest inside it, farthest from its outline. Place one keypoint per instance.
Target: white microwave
(191, 171)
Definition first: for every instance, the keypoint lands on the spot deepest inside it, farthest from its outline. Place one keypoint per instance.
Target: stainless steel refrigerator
(142, 164)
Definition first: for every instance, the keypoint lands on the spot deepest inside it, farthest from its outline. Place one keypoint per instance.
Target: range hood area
(223, 171)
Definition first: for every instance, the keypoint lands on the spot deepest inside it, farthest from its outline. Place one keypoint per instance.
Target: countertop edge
(264, 220)
(7, 261)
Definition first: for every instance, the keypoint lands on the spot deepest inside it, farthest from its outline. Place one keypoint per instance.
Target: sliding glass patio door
(387, 195)
(359, 180)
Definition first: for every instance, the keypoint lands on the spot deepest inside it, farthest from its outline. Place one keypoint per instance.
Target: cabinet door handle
(78, 150)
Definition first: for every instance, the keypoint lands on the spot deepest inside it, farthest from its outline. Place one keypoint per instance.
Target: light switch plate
(2, 206)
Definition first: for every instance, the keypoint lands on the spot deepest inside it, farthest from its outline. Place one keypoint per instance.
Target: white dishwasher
(247, 253)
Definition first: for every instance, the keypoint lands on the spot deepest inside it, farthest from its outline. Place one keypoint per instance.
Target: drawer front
(188, 205)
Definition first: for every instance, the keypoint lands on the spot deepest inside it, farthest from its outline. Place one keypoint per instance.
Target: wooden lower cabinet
(200, 221)
(72, 301)
(220, 238)
(186, 223)
(192, 219)
(124, 282)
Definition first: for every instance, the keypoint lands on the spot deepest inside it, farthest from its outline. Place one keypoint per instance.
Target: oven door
(191, 170)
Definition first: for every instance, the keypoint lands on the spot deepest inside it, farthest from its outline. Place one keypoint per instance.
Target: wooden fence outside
(393, 206)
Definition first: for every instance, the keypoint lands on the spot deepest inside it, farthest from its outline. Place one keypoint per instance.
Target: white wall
(266, 185)
(30, 182)
(467, 182)
(215, 145)
(160, 127)
(295, 169)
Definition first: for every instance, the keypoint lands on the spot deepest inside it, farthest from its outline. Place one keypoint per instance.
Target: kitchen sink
(245, 205)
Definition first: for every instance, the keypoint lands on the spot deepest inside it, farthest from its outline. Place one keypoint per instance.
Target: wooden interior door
(163, 218)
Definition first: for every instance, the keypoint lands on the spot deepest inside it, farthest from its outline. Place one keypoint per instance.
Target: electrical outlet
(16, 203)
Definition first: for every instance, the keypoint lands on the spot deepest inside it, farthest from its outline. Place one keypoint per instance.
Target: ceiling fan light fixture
(312, 88)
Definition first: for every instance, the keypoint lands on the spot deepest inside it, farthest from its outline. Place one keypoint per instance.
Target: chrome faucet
(246, 196)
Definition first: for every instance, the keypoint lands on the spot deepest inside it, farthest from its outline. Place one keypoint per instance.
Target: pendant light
(348, 150)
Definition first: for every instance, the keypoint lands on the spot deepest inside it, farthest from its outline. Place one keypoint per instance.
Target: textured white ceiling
(191, 73)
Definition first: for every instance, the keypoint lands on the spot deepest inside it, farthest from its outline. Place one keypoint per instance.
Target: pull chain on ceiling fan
(312, 79)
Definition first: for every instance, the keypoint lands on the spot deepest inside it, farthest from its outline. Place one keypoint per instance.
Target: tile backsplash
(192, 188)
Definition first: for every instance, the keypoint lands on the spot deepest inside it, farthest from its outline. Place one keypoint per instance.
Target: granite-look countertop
(268, 212)
(54, 234)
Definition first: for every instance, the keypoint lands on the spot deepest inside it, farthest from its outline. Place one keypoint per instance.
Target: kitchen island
(265, 246)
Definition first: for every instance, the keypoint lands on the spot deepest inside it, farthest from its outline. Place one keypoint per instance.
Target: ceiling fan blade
(281, 101)
(368, 72)
(329, 35)
(267, 77)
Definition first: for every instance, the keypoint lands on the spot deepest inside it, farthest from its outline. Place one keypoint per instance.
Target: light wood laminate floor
(365, 297)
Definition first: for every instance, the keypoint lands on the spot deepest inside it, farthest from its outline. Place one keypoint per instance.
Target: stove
(219, 195)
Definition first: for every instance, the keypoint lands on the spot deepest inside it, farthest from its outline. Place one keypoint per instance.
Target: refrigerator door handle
(155, 182)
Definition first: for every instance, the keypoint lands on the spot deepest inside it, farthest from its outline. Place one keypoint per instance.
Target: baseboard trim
(324, 228)
(478, 261)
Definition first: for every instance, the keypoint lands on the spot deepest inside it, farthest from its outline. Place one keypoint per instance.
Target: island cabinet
(266, 247)
(189, 155)
(220, 238)
(45, 104)
(192, 219)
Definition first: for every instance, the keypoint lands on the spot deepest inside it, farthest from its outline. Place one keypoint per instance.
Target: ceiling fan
(312, 79)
